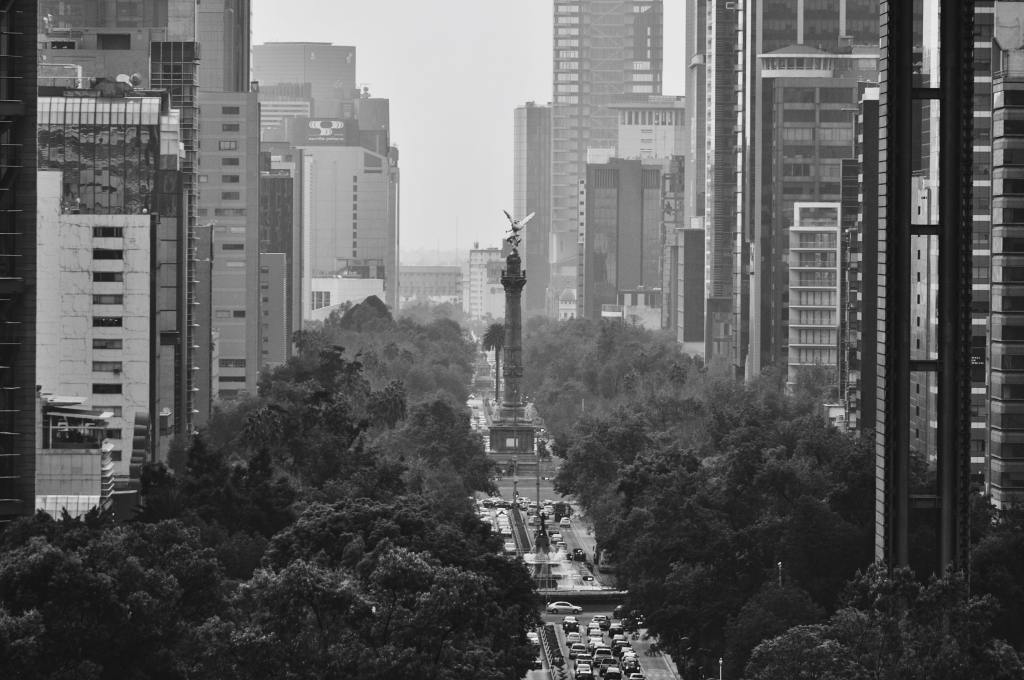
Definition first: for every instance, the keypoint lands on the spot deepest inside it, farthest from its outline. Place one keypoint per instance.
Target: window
(114, 41)
(229, 212)
(116, 411)
(106, 388)
(232, 363)
(227, 145)
(230, 179)
(223, 314)
(107, 343)
(107, 366)
(230, 195)
(107, 254)
(321, 299)
(232, 246)
(232, 378)
(229, 127)
(108, 232)
(108, 277)
(238, 314)
(203, 179)
(108, 299)
(229, 161)
(230, 110)
(107, 321)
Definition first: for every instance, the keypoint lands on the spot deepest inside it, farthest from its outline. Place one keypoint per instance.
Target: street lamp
(720, 661)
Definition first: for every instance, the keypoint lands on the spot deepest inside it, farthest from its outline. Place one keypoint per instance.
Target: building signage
(322, 132)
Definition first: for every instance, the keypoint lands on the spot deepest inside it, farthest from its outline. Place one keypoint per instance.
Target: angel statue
(516, 226)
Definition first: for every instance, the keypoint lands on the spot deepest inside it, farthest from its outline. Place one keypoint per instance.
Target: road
(657, 667)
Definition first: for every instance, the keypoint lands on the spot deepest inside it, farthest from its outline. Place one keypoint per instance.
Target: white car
(563, 608)
(565, 522)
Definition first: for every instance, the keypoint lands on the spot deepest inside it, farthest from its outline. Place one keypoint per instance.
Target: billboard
(307, 132)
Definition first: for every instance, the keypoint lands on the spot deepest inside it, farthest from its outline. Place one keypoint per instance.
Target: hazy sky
(454, 70)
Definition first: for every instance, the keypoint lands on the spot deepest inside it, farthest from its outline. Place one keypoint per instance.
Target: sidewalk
(657, 667)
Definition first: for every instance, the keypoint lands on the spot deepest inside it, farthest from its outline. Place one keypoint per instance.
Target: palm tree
(494, 339)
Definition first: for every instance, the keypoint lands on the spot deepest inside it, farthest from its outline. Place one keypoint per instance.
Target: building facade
(484, 297)
(531, 193)
(623, 243)
(602, 49)
(431, 284)
(330, 71)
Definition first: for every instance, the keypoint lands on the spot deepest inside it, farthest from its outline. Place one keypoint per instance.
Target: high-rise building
(532, 194)
(788, 39)
(348, 166)
(227, 315)
(623, 238)
(723, 117)
(280, 233)
(814, 282)
(228, 247)
(862, 272)
(1006, 371)
(18, 276)
(484, 297)
(329, 69)
(150, 45)
(804, 133)
(602, 50)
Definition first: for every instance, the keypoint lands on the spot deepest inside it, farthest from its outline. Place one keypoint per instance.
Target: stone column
(512, 280)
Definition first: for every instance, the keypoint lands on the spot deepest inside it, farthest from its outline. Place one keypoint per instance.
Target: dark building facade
(532, 194)
(623, 233)
(18, 68)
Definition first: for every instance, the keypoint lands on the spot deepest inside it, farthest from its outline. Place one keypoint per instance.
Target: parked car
(563, 608)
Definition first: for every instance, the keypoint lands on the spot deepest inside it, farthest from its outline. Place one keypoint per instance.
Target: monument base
(512, 437)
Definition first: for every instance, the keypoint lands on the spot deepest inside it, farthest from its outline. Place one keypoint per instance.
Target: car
(619, 612)
(603, 652)
(594, 630)
(564, 522)
(573, 637)
(569, 623)
(584, 672)
(536, 664)
(561, 607)
(604, 663)
(616, 628)
(579, 555)
(602, 621)
(488, 503)
(584, 660)
(561, 545)
(594, 642)
(577, 648)
(532, 637)
(556, 537)
(613, 673)
(636, 676)
(629, 664)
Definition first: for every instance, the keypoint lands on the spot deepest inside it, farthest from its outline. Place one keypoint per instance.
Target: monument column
(512, 280)
(511, 432)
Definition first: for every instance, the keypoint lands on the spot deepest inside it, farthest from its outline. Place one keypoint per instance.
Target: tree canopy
(320, 528)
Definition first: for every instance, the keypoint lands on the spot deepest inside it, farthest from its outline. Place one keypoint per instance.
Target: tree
(892, 627)
(494, 339)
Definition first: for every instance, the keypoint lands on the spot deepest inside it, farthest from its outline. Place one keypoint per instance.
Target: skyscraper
(532, 194)
(329, 69)
(155, 40)
(602, 50)
(227, 314)
(18, 63)
(787, 46)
